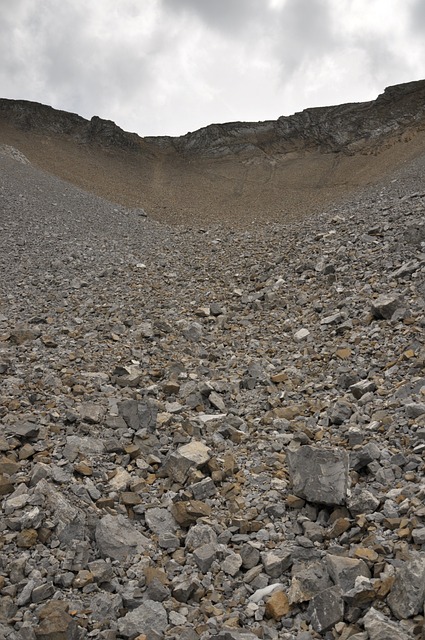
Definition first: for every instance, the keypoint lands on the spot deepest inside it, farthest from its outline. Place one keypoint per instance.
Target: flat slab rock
(319, 475)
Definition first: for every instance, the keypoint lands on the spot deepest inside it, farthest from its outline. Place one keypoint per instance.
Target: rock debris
(212, 433)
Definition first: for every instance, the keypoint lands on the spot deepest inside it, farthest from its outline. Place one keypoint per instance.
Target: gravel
(175, 404)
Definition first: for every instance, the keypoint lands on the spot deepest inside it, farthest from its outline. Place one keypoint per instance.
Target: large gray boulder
(117, 538)
(319, 475)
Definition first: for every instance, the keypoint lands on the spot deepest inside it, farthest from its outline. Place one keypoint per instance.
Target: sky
(166, 67)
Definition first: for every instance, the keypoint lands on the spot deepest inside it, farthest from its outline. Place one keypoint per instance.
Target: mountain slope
(239, 172)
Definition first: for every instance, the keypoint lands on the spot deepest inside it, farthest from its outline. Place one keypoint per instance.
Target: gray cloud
(228, 16)
(417, 17)
(169, 66)
(305, 32)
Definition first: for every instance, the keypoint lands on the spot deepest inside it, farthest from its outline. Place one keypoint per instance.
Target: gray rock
(160, 521)
(91, 412)
(276, 562)
(308, 579)
(147, 618)
(117, 538)
(105, 605)
(204, 556)
(326, 609)
(138, 415)
(359, 389)
(42, 592)
(415, 409)
(379, 627)
(199, 535)
(203, 489)
(344, 570)
(184, 589)
(157, 591)
(319, 475)
(250, 556)
(234, 635)
(25, 430)
(340, 412)
(231, 564)
(408, 593)
(362, 501)
(178, 464)
(128, 376)
(384, 306)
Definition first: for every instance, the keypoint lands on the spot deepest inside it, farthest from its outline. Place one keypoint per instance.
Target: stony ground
(211, 433)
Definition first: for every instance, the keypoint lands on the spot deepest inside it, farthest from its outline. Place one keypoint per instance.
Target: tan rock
(84, 468)
(82, 579)
(277, 606)
(366, 554)
(27, 538)
(187, 512)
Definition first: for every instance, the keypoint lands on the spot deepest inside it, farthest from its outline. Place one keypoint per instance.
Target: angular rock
(326, 609)
(308, 579)
(148, 618)
(160, 521)
(379, 627)
(408, 593)
(117, 538)
(319, 475)
(277, 605)
(385, 306)
(204, 556)
(195, 455)
(91, 412)
(200, 534)
(56, 623)
(344, 570)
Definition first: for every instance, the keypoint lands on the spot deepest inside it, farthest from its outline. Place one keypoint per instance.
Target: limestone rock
(379, 627)
(408, 593)
(319, 475)
(117, 538)
(326, 609)
(149, 617)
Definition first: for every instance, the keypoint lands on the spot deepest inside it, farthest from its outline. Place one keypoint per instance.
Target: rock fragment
(319, 475)
(117, 538)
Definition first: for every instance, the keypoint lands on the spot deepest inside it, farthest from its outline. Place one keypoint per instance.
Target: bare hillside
(235, 172)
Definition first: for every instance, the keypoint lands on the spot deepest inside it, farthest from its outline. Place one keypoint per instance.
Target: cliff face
(294, 165)
(347, 128)
(39, 118)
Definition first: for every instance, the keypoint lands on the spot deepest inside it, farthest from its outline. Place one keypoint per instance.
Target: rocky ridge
(347, 128)
(210, 432)
(239, 172)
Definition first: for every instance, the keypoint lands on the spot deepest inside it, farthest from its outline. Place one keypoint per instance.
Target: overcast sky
(165, 67)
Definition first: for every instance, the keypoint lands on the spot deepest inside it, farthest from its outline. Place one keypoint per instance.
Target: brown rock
(84, 468)
(344, 353)
(187, 512)
(82, 578)
(19, 336)
(366, 554)
(340, 526)
(27, 538)
(277, 606)
(56, 623)
(294, 502)
(6, 486)
(279, 377)
(8, 465)
(26, 452)
(130, 499)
